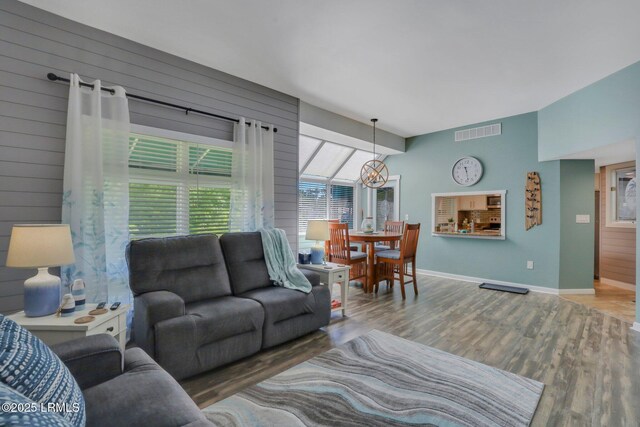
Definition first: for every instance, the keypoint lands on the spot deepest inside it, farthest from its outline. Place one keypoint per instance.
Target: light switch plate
(529, 265)
(583, 219)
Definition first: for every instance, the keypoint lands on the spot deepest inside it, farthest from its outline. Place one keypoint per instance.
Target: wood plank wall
(617, 245)
(33, 114)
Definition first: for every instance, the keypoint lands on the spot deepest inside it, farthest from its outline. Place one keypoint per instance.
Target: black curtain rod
(53, 77)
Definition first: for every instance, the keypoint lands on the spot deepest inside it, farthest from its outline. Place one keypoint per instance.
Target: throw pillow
(28, 366)
(17, 410)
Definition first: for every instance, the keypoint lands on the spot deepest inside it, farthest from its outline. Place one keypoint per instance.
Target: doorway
(615, 248)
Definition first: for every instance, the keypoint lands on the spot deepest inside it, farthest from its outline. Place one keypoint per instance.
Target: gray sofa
(201, 302)
(127, 389)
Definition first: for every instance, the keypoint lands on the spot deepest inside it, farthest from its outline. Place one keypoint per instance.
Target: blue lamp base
(41, 294)
(317, 255)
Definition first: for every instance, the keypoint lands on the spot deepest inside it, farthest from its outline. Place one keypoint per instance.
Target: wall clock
(467, 171)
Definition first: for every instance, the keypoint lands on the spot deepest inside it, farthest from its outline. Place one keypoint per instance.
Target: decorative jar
(367, 225)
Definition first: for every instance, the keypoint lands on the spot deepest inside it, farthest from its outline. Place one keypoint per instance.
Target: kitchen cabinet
(472, 203)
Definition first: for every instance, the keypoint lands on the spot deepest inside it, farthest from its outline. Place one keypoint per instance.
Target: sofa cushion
(14, 414)
(224, 317)
(281, 303)
(28, 366)
(144, 395)
(245, 261)
(279, 327)
(191, 267)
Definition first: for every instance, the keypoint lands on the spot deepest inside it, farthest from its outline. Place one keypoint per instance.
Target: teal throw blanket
(281, 263)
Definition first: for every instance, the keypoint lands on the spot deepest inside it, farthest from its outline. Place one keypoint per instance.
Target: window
(384, 206)
(384, 202)
(341, 204)
(178, 185)
(319, 200)
(445, 209)
(625, 180)
(312, 203)
(621, 195)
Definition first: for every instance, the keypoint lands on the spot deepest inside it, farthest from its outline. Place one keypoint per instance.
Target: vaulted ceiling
(417, 65)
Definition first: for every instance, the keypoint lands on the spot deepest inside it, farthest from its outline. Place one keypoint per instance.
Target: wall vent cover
(479, 132)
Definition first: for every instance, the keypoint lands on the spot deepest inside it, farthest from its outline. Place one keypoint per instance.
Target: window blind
(312, 203)
(445, 209)
(341, 204)
(177, 187)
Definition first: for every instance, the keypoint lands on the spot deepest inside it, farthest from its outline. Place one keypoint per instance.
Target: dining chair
(395, 261)
(391, 226)
(326, 244)
(340, 252)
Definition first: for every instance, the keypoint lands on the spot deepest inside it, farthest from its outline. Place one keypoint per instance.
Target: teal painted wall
(576, 240)
(426, 168)
(603, 113)
(606, 112)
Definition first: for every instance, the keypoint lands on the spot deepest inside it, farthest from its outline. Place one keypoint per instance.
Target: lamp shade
(40, 245)
(317, 229)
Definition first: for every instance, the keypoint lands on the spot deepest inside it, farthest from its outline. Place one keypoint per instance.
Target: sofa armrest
(312, 276)
(149, 309)
(92, 360)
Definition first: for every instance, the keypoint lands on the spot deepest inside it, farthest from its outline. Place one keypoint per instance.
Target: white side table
(331, 274)
(54, 330)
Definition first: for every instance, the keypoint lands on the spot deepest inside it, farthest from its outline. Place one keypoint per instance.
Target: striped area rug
(380, 379)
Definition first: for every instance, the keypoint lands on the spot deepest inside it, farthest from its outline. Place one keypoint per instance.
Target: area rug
(383, 380)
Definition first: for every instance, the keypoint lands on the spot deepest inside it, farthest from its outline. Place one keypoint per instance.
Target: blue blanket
(281, 263)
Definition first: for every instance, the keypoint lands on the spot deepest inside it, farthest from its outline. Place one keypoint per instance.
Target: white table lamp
(40, 246)
(318, 230)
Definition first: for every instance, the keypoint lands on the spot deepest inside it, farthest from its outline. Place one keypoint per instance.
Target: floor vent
(503, 288)
(479, 132)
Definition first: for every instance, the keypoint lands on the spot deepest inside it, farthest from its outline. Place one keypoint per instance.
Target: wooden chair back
(394, 226)
(326, 244)
(409, 244)
(339, 247)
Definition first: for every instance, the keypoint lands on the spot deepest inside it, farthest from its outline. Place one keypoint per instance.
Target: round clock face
(467, 171)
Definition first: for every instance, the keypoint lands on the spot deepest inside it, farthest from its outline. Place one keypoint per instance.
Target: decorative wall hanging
(533, 201)
(374, 173)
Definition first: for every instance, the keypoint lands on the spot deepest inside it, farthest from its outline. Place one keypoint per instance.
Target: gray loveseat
(201, 302)
(127, 389)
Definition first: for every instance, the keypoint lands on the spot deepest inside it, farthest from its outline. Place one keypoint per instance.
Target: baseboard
(636, 326)
(478, 280)
(576, 291)
(618, 284)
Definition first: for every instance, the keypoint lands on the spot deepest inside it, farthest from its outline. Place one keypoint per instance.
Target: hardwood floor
(588, 361)
(611, 300)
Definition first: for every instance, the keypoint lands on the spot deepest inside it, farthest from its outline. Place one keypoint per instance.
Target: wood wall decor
(533, 201)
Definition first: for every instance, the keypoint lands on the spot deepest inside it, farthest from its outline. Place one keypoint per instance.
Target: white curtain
(96, 190)
(252, 188)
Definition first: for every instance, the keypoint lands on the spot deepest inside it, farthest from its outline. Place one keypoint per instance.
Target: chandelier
(374, 173)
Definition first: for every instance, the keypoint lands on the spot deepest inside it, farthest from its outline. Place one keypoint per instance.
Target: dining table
(370, 240)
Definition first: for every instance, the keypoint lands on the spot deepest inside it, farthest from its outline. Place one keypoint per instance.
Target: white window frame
(393, 181)
(151, 177)
(610, 196)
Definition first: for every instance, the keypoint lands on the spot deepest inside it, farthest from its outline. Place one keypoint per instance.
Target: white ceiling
(417, 65)
(619, 152)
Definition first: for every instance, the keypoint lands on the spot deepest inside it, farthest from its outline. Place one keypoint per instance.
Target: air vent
(479, 132)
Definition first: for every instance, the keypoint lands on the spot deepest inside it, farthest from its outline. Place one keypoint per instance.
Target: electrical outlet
(529, 265)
